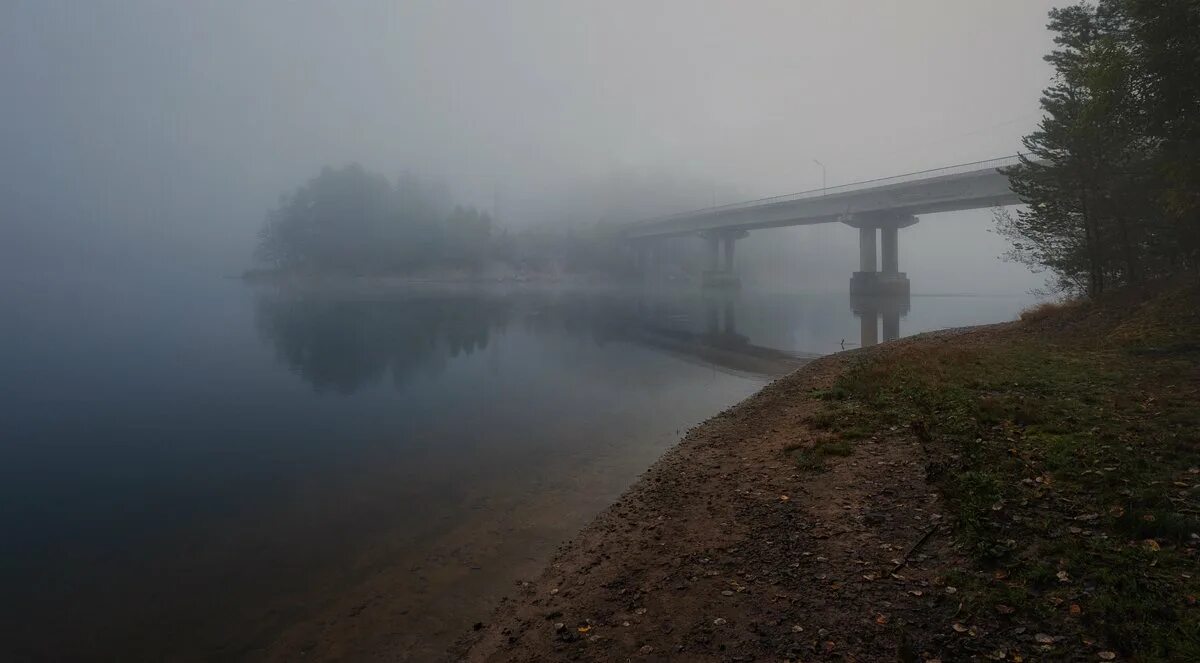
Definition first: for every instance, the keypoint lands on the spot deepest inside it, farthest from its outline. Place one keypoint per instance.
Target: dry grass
(1168, 319)
(1050, 309)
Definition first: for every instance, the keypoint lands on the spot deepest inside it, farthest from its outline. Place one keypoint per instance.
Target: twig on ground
(921, 541)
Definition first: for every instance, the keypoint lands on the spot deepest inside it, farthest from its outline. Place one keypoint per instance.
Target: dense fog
(145, 137)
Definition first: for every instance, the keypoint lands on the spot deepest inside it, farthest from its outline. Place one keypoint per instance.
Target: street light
(822, 175)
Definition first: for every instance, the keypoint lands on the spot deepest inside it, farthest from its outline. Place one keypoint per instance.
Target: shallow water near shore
(224, 472)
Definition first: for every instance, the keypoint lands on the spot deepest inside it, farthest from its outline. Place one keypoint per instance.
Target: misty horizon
(140, 133)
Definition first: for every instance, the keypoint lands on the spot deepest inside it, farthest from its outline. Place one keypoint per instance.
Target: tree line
(351, 221)
(1111, 176)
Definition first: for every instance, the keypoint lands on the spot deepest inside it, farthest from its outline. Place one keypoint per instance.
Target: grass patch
(1050, 309)
(1069, 462)
(812, 457)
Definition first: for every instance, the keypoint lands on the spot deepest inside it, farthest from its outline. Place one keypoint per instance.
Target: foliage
(348, 220)
(1110, 187)
(351, 221)
(1166, 42)
(812, 457)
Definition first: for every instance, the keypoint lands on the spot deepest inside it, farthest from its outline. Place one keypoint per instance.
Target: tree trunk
(1132, 269)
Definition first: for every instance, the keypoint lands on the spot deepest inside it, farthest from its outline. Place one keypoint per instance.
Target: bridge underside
(976, 189)
(877, 209)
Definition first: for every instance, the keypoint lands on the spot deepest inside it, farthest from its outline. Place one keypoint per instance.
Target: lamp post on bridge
(822, 175)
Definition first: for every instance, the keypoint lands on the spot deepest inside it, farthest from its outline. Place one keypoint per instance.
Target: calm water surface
(215, 472)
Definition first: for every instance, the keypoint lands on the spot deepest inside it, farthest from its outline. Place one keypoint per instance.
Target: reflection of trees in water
(342, 344)
(594, 315)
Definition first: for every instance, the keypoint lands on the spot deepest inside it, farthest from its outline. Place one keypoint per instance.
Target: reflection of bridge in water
(870, 309)
(722, 347)
(342, 343)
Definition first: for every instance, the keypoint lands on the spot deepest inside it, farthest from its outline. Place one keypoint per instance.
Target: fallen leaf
(1063, 576)
(1107, 656)
(1075, 609)
(1151, 545)
(1005, 609)
(959, 628)
(1044, 639)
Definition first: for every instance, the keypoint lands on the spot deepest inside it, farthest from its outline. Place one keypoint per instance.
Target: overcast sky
(173, 126)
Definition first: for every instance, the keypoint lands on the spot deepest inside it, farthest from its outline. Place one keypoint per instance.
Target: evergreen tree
(1165, 38)
(1111, 177)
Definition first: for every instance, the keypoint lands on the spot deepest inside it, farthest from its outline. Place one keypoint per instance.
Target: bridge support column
(714, 253)
(868, 322)
(720, 273)
(729, 240)
(891, 325)
(866, 250)
(891, 254)
(871, 308)
(890, 280)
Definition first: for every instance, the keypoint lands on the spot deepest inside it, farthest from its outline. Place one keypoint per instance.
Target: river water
(222, 472)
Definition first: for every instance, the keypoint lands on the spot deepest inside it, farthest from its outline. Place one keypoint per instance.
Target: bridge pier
(720, 274)
(871, 308)
(868, 280)
(866, 250)
(890, 257)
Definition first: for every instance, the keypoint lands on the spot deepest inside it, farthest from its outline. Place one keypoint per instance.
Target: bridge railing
(987, 164)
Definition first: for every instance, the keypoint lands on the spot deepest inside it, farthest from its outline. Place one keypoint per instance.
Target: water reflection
(870, 309)
(220, 508)
(343, 344)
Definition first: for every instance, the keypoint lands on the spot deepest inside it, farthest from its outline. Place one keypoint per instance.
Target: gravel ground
(728, 550)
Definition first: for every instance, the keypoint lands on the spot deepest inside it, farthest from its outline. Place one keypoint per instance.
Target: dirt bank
(729, 549)
(1026, 491)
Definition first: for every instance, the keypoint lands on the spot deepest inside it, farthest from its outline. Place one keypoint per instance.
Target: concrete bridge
(877, 208)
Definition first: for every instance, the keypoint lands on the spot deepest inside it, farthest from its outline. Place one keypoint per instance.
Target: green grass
(1077, 455)
(812, 457)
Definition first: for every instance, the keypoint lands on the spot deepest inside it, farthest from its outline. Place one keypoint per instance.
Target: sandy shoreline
(726, 550)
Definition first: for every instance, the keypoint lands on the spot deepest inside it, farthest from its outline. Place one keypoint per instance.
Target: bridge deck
(961, 187)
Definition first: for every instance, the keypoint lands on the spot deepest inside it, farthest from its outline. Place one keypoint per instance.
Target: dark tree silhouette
(348, 220)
